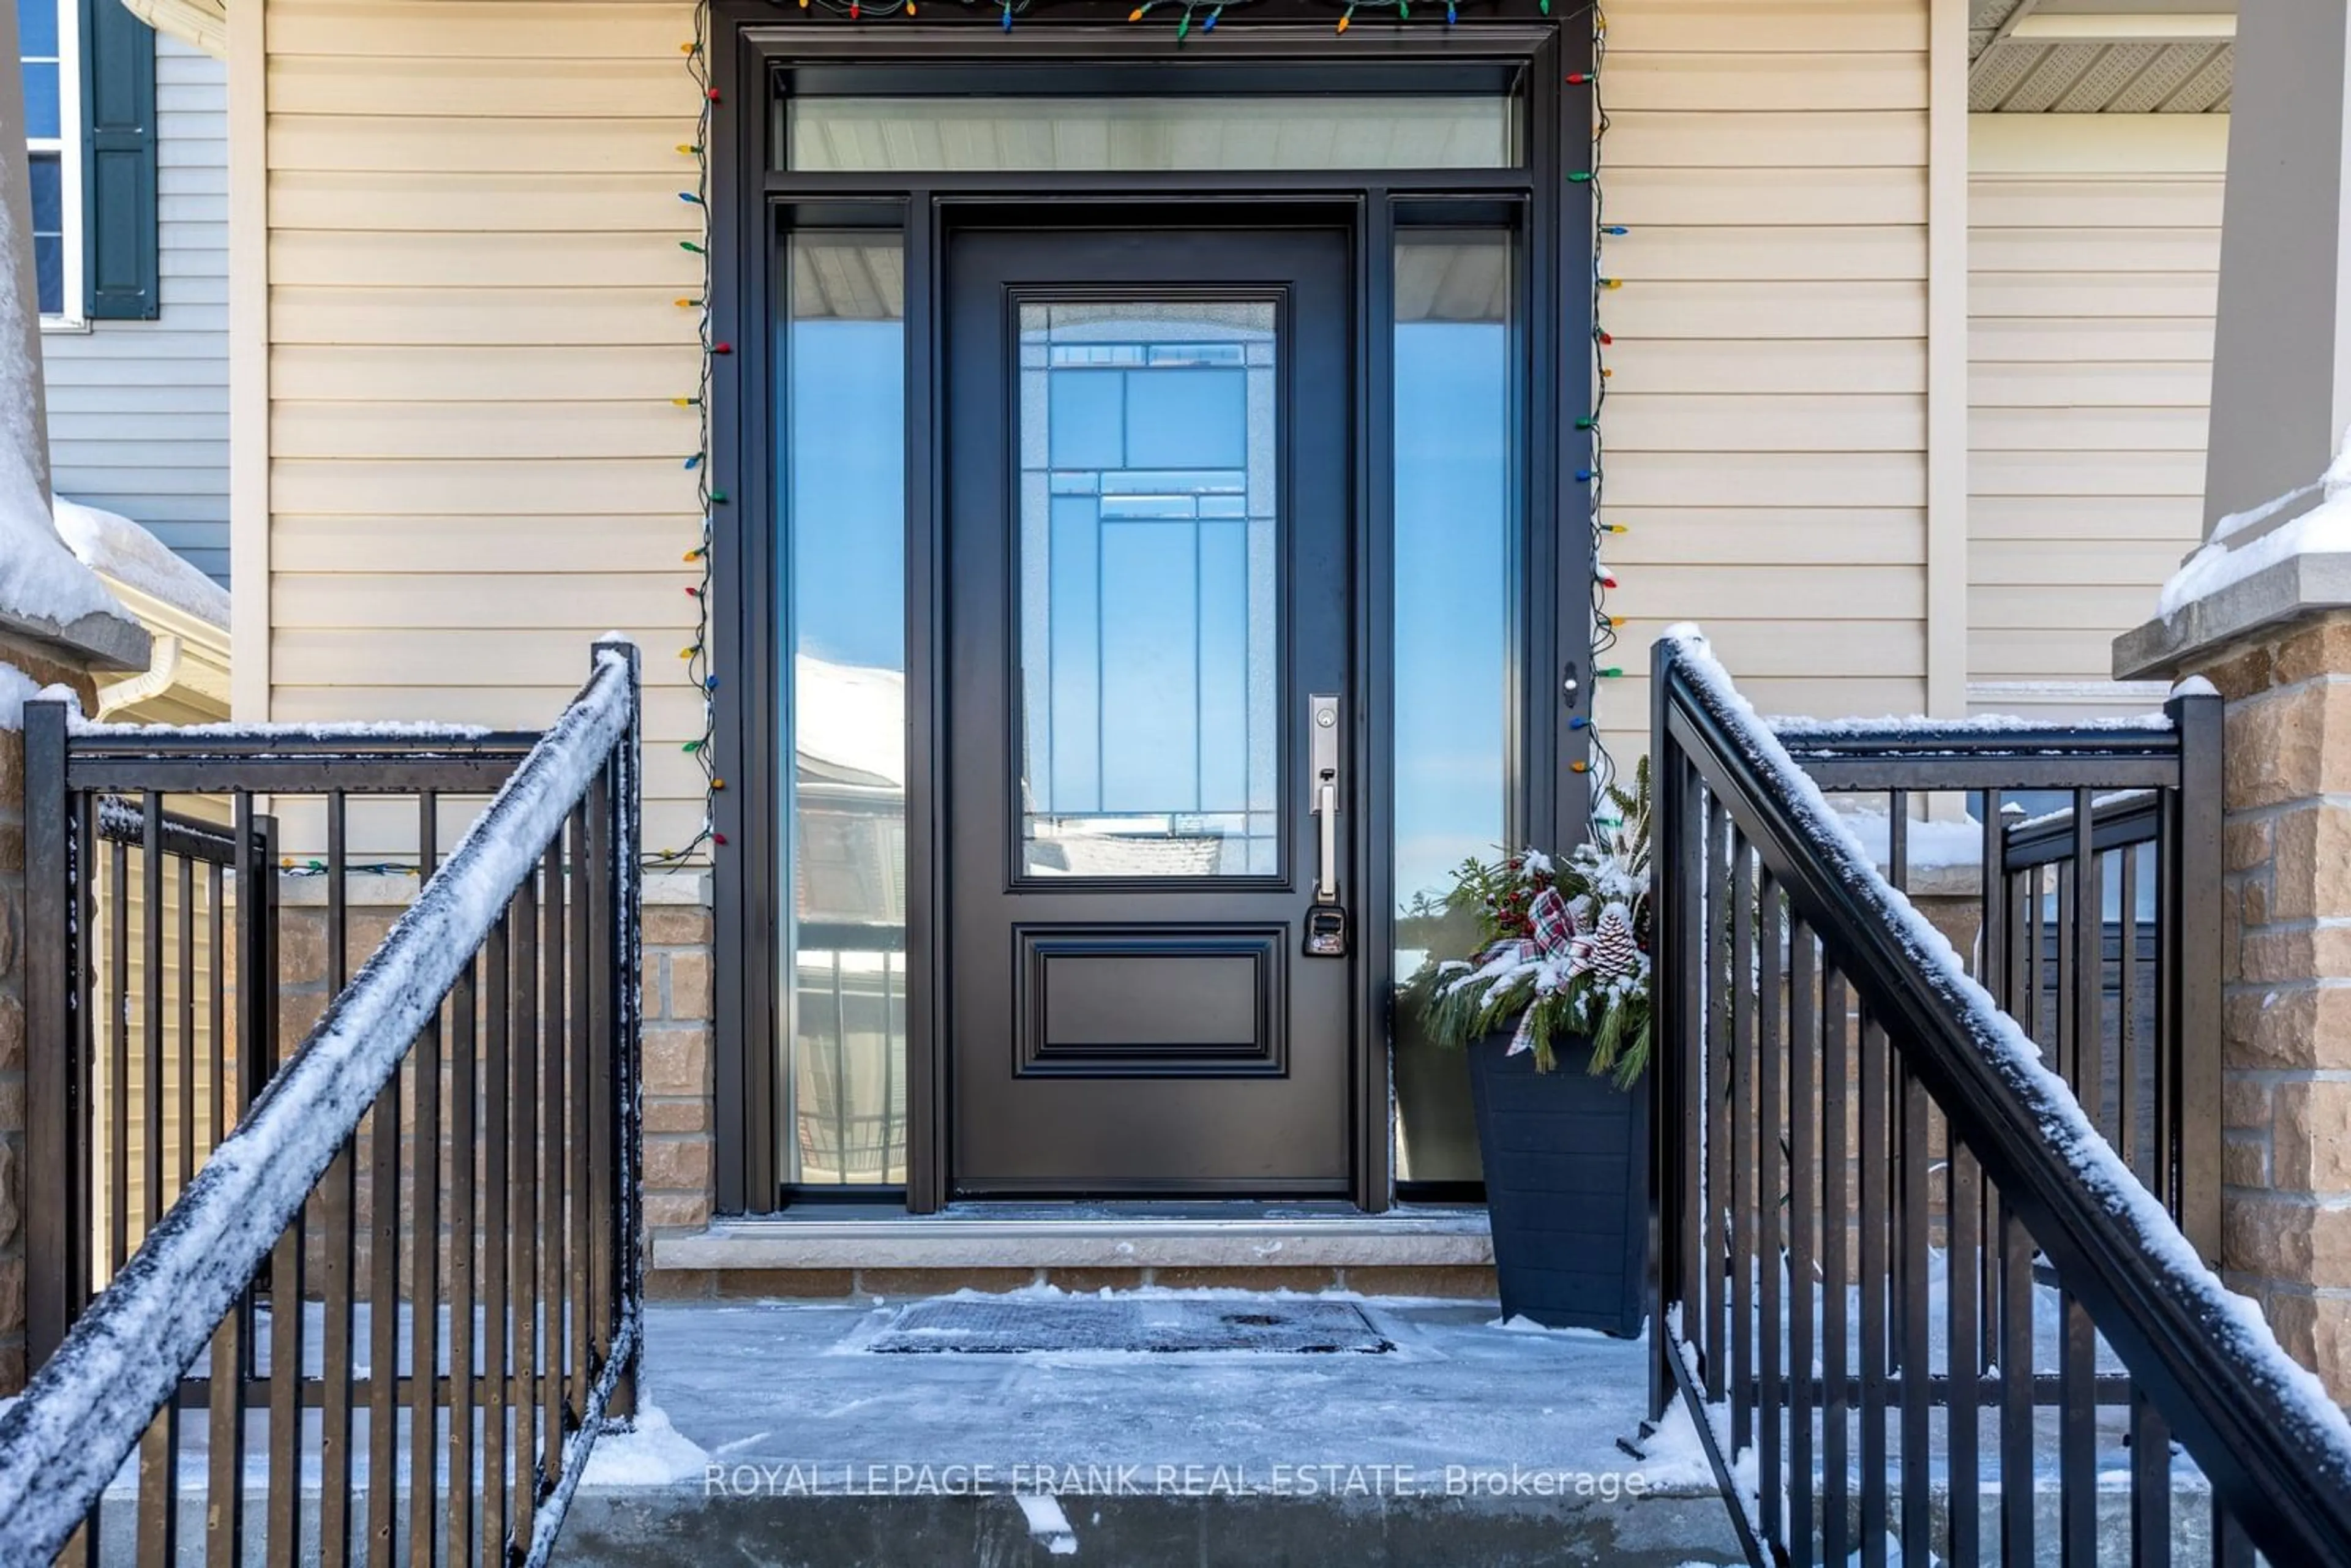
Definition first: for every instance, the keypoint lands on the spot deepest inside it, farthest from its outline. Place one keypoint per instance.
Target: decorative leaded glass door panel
(1147, 586)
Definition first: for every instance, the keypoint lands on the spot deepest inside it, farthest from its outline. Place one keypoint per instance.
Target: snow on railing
(63, 1441)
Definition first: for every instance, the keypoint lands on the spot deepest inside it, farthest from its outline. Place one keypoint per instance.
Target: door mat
(1147, 1326)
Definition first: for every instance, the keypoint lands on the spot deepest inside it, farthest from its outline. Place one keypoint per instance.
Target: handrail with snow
(1737, 811)
(64, 1440)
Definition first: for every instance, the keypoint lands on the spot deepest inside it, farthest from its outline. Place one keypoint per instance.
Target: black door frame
(752, 58)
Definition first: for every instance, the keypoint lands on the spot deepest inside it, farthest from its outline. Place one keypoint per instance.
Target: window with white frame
(46, 46)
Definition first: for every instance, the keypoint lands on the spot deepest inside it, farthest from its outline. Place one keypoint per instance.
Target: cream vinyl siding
(472, 228)
(1766, 424)
(2093, 249)
(475, 465)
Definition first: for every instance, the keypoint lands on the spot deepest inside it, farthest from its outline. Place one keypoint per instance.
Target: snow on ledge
(1801, 727)
(2223, 562)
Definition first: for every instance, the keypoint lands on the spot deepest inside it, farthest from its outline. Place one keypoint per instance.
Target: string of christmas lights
(1601, 768)
(1187, 13)
(700, 669)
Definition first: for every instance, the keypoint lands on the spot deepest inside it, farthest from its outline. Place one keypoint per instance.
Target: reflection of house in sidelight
(846, 1096)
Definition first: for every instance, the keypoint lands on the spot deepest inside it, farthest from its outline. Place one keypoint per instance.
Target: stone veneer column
(2275, 636)
(679, 1158)
(2287, 977)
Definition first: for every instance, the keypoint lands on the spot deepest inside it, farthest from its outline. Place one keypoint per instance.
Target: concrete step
(661, 1527)
(778, 1433)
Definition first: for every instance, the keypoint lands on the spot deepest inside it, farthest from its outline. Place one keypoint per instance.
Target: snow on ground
(113, 544)
(645, 1452)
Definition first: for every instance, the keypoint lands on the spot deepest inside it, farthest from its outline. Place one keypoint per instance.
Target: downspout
(163, 669)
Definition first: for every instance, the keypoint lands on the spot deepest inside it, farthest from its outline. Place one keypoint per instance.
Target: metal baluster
(1964, 1287)
(424, 1249)
(552, 1202)
(285, 1519)
(497, 1298)
(1679, 1100)
(463, 1395)
(225, 1439)
(1768, 1188)
(183, 1099)
(2016, 1404)
(2089, 964)
(2129, 1066)
(158, 1477)
(2066, 969)
(1915, 1345)
(216, 1004)
(338, 1206)
(1714, 1249)
(118, 1066)
(1836, 1284)
(2231, 1547)
(577, 1089)
(2150, 1481)
(1875, 1167)
(523, 1215)
(1804, 1040)
(2077, 1435)
(383, 1319)
(598, 967)
(153, 1095)
(1740, 1111)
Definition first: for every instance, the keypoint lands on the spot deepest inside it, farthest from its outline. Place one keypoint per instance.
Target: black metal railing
(396, 1274)
(2090, 857)
(1906, 1289)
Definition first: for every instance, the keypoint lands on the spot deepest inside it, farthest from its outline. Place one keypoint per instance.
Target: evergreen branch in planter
(1561, 949)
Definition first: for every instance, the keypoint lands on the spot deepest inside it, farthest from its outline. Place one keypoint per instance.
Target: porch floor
(778, 1437)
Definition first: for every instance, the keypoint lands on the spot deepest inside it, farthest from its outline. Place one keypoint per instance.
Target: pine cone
(1612, 950)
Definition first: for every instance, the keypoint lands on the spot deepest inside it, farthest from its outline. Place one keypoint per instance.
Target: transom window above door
(1135, 134)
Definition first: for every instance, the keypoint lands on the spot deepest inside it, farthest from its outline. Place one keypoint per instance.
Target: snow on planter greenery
(1561, 947)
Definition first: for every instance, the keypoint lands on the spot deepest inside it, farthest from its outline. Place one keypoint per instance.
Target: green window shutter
(118, 123)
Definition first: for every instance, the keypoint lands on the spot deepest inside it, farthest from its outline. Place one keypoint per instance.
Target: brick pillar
(2286, 972)
(679, 1158)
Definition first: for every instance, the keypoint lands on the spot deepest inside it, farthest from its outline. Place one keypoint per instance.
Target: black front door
(1149, 604)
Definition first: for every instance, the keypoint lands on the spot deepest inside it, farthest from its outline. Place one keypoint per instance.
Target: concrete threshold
(1039, 1237)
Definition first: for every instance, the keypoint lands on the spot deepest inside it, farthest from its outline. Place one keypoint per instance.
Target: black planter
(1566, 1156)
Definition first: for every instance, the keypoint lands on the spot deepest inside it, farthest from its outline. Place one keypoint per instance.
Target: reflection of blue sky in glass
(841, 429)
(1452, 515)
(1146, 587)
(1452, 511)
(848, 442)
